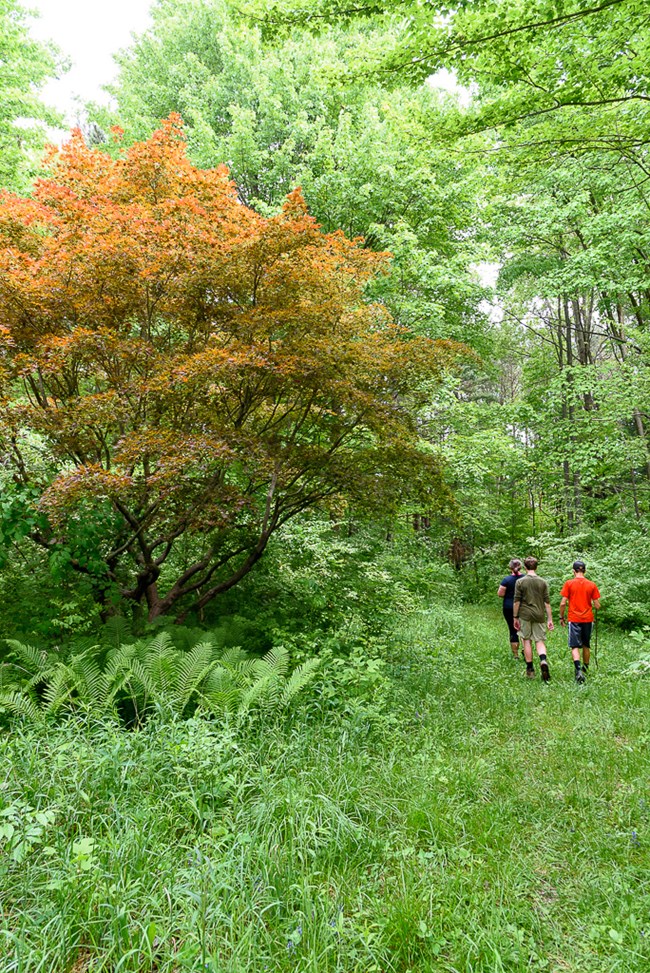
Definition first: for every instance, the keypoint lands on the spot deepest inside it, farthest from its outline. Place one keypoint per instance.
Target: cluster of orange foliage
(203, 372)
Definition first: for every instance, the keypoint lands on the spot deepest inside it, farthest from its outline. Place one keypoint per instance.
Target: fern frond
(59, 689)
(119, 660)
(270, 675)
(235, 658)
(277, 660)
(29, 657)
(193, 669)
(90, 682)
(160, 644)
(115, 631)
(161, 662)
(141, 680)
(263, 690)
(272, 666)
(21, 704)
(300, 678)
(220, 692)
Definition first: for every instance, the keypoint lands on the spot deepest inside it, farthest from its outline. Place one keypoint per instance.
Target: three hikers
(582, 596)
(527, 611)
(507, 592)
(532, 616)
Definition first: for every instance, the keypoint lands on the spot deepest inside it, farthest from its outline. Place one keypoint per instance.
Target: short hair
(530, 563)
(579, 566)
(514, 564)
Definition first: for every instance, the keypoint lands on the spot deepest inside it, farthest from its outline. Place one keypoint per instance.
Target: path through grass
(461, 818)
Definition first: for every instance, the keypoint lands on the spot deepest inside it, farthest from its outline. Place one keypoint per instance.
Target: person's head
(515, 565)
(530, 563)
(579, 567)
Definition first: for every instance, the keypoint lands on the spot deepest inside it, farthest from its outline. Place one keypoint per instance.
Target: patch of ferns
(132, 681)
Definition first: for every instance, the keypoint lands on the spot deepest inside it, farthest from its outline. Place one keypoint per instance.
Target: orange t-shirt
(580, 592)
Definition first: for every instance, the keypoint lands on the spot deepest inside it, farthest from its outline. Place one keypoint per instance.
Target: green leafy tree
(25, 64)
(276, 115)
(583, 63)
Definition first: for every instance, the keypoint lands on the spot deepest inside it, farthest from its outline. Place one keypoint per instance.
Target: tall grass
(433, 811)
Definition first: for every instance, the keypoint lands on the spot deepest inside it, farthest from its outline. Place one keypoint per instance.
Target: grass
(455, 818)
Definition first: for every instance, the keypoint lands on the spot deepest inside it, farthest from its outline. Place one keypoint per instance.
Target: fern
(270, 672)
(151, 672)
(299, 680)
(59, 689)
(91, 683)
(115, 631)
(193, 669)
(274, 664)
(237, 660)
(31, 659)
(221, 692)
(21, 704)
(160, 661)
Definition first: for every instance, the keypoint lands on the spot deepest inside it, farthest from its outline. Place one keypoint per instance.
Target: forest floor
(459, 819)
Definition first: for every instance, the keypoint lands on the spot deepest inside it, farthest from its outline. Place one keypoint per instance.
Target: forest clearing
(436, 812)
(315, 320)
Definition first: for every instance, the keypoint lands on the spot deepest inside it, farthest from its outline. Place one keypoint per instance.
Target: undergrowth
(427, 811)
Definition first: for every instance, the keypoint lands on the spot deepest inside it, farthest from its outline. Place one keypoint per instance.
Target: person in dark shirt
(533, 616)
(507, 592)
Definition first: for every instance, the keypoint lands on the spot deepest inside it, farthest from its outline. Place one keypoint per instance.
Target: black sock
(529, 666)
(576, 663)
(542, 659)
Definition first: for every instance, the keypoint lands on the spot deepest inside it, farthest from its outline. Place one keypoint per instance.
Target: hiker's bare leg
(586, 655)
(528, 650)
(575, 654)
(541, 648)
(515, 649)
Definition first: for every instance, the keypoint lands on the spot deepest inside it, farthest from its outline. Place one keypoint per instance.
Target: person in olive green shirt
(533, 616)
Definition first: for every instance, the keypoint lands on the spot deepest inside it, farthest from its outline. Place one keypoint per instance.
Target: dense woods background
(515, 213)
(332, 312)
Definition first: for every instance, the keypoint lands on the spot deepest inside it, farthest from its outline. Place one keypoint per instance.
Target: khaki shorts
(533, 630)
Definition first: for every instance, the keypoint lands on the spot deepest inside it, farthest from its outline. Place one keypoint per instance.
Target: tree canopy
(25, 64)
(182, 375)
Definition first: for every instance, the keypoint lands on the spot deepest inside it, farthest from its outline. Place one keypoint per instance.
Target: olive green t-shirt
(532, 593)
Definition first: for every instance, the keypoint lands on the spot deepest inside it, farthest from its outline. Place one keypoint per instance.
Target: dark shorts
(507, 614)
(580, 635)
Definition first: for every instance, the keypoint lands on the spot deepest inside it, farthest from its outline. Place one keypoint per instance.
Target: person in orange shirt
(582, 596)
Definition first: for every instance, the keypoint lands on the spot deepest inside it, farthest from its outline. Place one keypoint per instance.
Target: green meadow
(431, 810)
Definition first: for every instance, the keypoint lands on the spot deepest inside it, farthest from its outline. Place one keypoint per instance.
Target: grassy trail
(456, 819)
(543, 791)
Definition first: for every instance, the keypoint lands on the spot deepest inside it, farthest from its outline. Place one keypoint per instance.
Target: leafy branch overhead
(584, 65)
(175, 365)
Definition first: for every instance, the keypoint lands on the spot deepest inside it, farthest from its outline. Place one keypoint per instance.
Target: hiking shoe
(580, 678)
(546, 675)
(530, 673)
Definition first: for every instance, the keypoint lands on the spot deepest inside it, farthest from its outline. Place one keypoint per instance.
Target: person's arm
(549, 616)
(549, 610)
(515, 615)
(563, 604)
(502, 591)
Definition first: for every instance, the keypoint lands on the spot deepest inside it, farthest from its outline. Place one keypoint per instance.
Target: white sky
(88, 32)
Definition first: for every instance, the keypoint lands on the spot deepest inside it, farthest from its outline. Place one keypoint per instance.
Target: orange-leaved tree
(180, 376)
